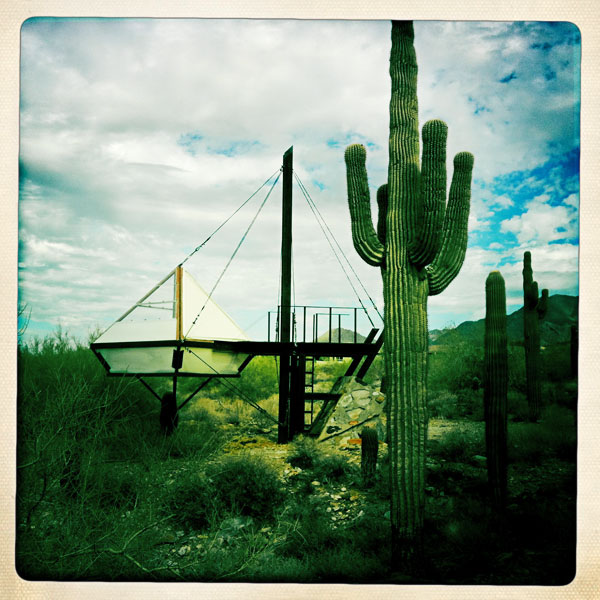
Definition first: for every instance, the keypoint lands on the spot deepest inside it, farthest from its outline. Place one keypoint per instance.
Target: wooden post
(286, 296)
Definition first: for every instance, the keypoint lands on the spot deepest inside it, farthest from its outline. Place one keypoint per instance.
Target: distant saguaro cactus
(368, 457)
(534, 309)
(420, 246)
(574, 349)
(495, 387)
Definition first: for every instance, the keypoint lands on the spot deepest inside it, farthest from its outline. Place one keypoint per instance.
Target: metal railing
(308, 323)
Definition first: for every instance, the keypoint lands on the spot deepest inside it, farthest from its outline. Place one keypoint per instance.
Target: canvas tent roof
(177, 312)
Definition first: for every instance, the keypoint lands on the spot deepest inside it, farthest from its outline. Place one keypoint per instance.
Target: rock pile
(359, 405)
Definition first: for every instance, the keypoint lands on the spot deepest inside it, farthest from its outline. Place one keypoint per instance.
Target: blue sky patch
(233, 148)
(509, 77)
(190, 142)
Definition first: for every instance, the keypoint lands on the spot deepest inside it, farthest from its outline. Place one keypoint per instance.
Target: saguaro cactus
(534, 309)
(368, 456)
(420, 246)
(495, 386)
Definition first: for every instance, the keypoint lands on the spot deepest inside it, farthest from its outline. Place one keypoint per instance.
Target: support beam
(286, 296)
(370, 357)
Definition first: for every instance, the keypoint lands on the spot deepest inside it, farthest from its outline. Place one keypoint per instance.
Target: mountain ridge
(555, 327)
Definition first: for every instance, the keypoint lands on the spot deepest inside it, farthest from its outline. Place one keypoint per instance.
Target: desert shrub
(333, 467)
(517, 407)
(322, 465)
(459, 445)
(331, 369)
(117, 487)
(555, 435)
(527, 442)
(464, 403)
(234, 485)
(88, 450)
(443, 405)
(303, 452)
(560, 422)
(257, 381)
(197, 442)
(458, 367)
(556, 361)
(562, 393)
(355, 551)
(516, 369)
(470, 403)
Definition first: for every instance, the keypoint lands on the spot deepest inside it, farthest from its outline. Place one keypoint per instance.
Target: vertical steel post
(286, 297)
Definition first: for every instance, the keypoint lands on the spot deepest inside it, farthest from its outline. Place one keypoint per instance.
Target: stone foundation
(359, 405)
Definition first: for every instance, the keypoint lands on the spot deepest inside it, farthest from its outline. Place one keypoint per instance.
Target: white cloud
(112, 198)
(542, 223)
(501, 202)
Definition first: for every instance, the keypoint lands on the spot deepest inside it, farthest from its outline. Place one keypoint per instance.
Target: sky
(139, 137)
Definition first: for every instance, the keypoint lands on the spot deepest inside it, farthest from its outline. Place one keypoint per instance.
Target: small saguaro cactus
(368, 456)
(420, 245)
(495, 387)
(534, 309)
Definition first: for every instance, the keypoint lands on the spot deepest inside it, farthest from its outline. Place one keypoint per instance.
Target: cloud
(501, 202)
(139, 137)
(542, 223)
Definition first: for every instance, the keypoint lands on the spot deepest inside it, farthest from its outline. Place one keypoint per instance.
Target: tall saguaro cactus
(496, 387)
(420, 246)
(534, 309)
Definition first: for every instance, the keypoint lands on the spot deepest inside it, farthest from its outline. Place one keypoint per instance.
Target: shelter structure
(177, 329)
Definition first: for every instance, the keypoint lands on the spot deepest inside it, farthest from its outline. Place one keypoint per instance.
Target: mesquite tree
(420, 246)
(495, 388)
(534, 309)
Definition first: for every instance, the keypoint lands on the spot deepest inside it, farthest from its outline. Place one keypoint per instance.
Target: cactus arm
(449, 260)
(542, 306)
(530, 287)
(427, 235)
(364, 237)
(533, 309)
(382, 204)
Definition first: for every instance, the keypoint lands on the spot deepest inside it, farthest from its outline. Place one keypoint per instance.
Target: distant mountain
(555, 327)
(347, 336)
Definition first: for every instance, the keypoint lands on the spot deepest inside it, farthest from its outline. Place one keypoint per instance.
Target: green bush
(555, 435)
(518, 409)
(303, 452)
(458, 367)
(331, 369)
(443, 404)
(464, 403)
(470, 403)
(556, 361)
(516, 369)
(333, 467)
(232, 486)
(257, 381)
(459, 445)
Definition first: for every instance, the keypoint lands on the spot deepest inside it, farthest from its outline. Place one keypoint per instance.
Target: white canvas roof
(177, 310)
